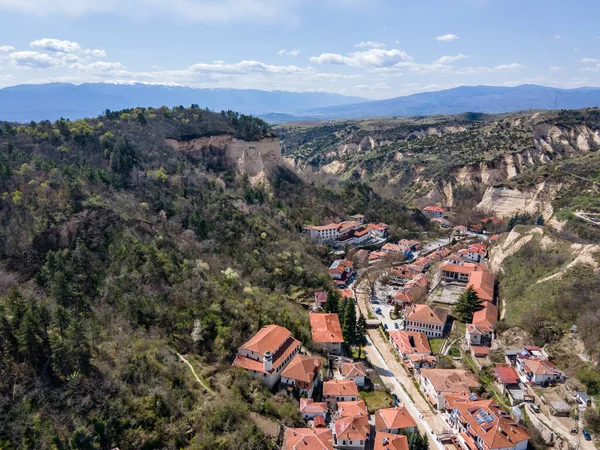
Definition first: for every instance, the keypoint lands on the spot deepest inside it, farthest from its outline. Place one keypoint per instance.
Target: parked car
(385, 326)
(378, 311)
(374, 300)
(396, 399)
(396, 326)
(536, 408)
(587, 435)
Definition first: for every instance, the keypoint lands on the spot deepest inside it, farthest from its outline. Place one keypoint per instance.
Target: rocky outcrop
(257, 159)
(505, 202)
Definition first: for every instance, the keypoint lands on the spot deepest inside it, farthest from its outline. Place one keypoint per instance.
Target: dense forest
(118, 252)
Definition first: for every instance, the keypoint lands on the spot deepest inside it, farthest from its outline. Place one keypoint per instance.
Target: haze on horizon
(373, 49)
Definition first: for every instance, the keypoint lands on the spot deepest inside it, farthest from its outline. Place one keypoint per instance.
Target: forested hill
(119, 249)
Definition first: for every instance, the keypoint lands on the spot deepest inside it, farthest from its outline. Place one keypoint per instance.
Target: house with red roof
(351, 432)
(268, 353)
(351, 409)
(309, 409)
(303, 373)
(326, 331)
(474, 252)
(507, 377)
(341, 269)
(481, 331)
(394, 420)
(339, 391)
(539, 371)
(388, 441)
(320, 299)
(308, 439)
(483, 424)
(434, 212)
(437, 384)
(379, 230)
(355, 371)
(426, 319)
(410, 343)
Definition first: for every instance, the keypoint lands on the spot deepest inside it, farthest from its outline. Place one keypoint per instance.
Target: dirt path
(194, 373)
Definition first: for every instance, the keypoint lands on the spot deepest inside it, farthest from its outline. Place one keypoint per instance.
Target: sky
(368, 48)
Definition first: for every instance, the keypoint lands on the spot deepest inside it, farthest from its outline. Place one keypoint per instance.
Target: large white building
(267, 353)
(425, 319)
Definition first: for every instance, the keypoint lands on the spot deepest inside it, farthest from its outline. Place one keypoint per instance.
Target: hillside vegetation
(118, 252)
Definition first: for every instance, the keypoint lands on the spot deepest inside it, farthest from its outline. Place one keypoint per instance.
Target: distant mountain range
(486, 99)
(54, 100)
(51, 101)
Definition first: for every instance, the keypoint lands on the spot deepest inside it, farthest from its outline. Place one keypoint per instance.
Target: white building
(425, 319)
(267, 353)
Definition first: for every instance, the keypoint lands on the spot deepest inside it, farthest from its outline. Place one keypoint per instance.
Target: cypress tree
(467, 304)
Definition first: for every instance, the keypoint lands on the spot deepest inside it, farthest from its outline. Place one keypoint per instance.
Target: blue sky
(369, 48)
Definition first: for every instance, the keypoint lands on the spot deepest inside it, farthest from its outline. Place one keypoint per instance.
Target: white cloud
(575, 49)
(56, 45)
(590, 69)
(450, 59)
(98, 67)
(513, 66)
(557, 37)
(33, 60)
(369, 44)
(447, 37)
(6, 48)
(589, 60)
(555, 69)
(64, 47)
(246, 67)
(374, 57)
(284, 52)
(371, 87)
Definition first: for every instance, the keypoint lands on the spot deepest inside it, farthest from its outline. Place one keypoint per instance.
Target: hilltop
(131, 237)
(540, 163)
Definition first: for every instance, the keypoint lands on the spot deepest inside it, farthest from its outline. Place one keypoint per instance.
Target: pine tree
(332, 305)
(467, 304)
(361, 334)
(417, 441)
(349, 327)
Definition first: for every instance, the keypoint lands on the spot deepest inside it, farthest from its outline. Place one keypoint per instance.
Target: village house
(267, 353)
(443, 223)
(354, 237)
(413, 290)
(309, 409)
(379, 230)
(403, 250)
(459, 272)
(388, 441)
(412, 244)
(375, 257)
(351, 432)
(308, 439)
(394, 420)
(416, 362)
(358, 218)
(460, 229)
(410, 343)
(341, 269)
(483, 424)
(473, 253)
(361, 257)
(506, 378)
(481, 331)
(351, 409)
(355, 371)
(327, 332)
(434, 212)
(302, 373)
(439, 254)
(539, 371)
(482, 283)
(339, 391)
(320, 299)
(426, 319)
(401, 274)
(438, 383)
(329, 234)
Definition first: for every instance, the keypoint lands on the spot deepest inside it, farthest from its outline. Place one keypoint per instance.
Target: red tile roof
(483, 283)
(352, 428)
(388, 441)
(303, 368)
(406, 345)
(269, 338)
(308, 439)
(426, 314)
(307, 405)
(393, 418)
(506, 374)
(487, 316)
(450, 380)
(352, 409)
(325, 328)
(434, 209)
(340, 388)
(353, 370)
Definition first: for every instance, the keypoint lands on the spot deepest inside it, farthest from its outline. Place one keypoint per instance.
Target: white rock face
(257, 159)
(505, 202)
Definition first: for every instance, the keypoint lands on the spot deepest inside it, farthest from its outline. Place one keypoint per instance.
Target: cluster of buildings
(341, 271)
(353, 232)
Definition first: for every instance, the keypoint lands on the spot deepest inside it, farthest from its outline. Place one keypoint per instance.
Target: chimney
(268, 361)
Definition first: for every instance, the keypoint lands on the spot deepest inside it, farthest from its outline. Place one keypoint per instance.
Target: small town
(404, 351)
